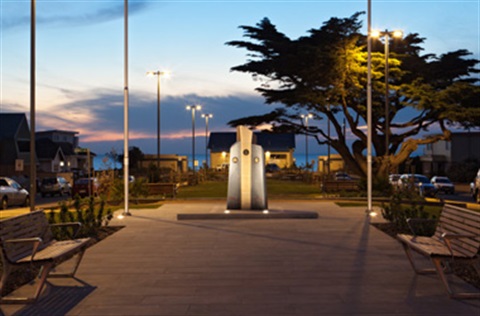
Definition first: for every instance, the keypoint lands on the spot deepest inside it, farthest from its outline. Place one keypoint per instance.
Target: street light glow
(375, 33)
(398, 34)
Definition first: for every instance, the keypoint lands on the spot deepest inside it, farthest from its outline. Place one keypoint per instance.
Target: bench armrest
(35, 241)
(447, 237)
(76, 226)
(411, 222)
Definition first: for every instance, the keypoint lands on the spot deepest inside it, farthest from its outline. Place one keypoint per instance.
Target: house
(438, 157)
(278, 148)
(75, 159)
(14, 144)
(50, 157)
(335, 161)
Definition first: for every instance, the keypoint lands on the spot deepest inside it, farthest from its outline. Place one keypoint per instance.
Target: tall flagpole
(369, 109)
(33, 162)
(125, 112)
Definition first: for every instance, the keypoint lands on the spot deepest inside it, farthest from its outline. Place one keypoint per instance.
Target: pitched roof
(10, 124)
(47, 149)
(67, 148)
(222, 141)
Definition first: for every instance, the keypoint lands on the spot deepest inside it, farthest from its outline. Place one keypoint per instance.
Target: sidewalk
(337, 264)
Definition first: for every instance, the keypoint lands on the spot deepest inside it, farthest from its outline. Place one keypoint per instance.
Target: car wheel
(4, 203)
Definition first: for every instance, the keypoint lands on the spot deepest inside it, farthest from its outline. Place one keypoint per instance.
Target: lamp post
(126, 211)
(369, 107)
(306, 117)
(207, 116)
(387, 35)
(33, 162)
(193, 108)
(158, 73)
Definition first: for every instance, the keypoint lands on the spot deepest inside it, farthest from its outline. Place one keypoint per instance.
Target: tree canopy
(325, 73)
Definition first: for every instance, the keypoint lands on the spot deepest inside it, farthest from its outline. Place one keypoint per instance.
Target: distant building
(73, 158)
(278, 148)
(176, 163)
(14, 144)
(336, 164)
(439, 156)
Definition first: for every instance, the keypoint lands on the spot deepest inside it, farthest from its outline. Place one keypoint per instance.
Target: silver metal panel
(234, 172)
(259, 186)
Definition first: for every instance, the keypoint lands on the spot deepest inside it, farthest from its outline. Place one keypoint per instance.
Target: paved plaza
(336, 264)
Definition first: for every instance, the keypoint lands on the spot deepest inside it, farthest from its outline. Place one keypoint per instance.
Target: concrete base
(249, 214)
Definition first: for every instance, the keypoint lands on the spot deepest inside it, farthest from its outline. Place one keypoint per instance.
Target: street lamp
(158, 73)
(193, 108)
(306, 117)
(207, 116)
(387, 35)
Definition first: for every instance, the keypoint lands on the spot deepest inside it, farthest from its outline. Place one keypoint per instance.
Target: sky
(80, 60)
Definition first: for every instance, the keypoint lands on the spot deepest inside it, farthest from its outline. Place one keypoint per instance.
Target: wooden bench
(340, 185)
(167, 189)
(456, 237)
(26, 240)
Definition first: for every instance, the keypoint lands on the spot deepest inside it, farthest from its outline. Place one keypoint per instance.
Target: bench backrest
(457, 220)
(33, 224)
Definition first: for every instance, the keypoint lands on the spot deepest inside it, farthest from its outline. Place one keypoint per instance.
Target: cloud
(86, 17)
(98, 117)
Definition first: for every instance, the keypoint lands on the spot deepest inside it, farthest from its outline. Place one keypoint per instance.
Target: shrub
(406, 204)
(91, 217)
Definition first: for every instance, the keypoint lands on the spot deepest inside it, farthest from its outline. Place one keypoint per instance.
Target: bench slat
(55, 250)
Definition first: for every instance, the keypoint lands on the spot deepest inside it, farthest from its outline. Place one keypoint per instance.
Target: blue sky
(80, 59)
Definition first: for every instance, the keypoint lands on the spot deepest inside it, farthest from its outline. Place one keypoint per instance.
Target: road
(462, 195)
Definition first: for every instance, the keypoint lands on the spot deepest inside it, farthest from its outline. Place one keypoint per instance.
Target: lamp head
(375, 33)
(397, 34)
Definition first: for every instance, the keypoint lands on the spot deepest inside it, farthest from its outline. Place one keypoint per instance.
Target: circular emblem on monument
(256, 160)
(246, 152)
(235, 159)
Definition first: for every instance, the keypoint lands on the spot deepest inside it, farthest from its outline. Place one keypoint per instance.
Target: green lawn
(275, 188)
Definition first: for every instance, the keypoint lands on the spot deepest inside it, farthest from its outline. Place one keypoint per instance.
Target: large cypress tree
(325, 73)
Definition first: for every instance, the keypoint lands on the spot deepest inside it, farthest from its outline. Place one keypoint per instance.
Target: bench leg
(74, 270)
(3, 282)
(409, 254)
(26, 300)
(437, 262)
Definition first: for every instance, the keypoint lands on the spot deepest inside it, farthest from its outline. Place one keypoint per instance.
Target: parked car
(340, 176)
(393, 179)
(443, 184)
(222, 167)
(86, 186)
(475, 187)
(12, 193)
(419, 183)
(55, 185)
(272, 167)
